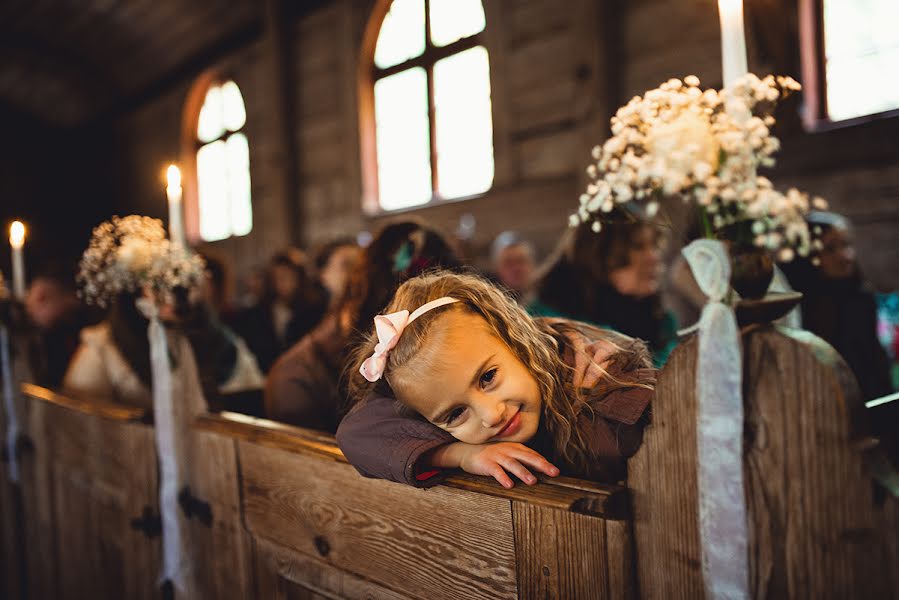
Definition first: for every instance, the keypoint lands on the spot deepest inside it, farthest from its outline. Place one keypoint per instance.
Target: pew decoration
(703, 148)
(719, 431)
(130, 257)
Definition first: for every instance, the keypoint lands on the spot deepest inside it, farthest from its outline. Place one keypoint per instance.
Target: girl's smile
(468, 382)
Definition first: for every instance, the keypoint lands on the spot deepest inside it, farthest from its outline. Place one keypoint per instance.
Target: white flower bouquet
(131, 254)
(704, 147)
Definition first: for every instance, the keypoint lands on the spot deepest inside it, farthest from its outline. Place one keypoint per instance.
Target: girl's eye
(455, 415)
(488, 377)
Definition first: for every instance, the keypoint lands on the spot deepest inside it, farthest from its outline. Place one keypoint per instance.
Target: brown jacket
(302, 386)
(381, 443)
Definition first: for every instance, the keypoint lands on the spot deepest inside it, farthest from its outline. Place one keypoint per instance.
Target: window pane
(212, 186)
(234, 113)
(453, 20)
(211, 123)
(402, 34)
(404, 146)
(464, 126)
(238, 156)
(862, 53)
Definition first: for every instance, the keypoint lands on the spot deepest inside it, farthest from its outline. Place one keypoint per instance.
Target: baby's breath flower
(127, 254)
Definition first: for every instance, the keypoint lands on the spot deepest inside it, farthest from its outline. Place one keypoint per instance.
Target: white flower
(134, 255)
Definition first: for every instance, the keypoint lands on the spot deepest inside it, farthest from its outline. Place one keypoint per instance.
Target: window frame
(813, 58)
(191, 144)
(369, 74)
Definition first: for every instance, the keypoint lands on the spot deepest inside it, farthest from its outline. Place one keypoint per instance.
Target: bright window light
(404, 147)
(464, 128)
(402, 34)
(861, 42)
(223, 165)
(452, 20)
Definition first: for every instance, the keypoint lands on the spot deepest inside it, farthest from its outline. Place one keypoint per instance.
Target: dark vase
(751, 270)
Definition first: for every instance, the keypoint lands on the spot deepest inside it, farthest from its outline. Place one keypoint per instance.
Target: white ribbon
(9, 390)
(173, 555)
(719, 432)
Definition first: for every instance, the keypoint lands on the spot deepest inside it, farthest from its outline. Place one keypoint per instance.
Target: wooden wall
(556, 74)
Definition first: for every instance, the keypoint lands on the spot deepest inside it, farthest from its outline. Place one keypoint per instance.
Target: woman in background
(838, 305)
(611, 279)
(293, 305)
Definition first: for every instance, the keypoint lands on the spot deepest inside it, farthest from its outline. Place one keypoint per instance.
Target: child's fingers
(516, 468)
(536, 460)
(497, 473)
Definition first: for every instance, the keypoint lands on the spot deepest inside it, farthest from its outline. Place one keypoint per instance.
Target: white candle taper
(733, 40)
(176, 214)
(16, 241)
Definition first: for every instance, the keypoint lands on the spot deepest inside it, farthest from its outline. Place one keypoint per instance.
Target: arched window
(851, 57)
(223, 164)
(429, 108)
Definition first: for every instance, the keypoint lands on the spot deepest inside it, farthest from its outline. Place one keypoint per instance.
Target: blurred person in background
(334, 262)
(838, 305)
(513, 260)
(294, 303)
(57, 315)
(611, 279)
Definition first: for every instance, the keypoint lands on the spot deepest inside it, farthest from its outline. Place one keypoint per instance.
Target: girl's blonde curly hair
(539, 345)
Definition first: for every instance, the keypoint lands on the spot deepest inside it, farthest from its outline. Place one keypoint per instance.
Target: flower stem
(706, 224)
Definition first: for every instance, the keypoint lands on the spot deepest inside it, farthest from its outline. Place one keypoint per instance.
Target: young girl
(458, 375)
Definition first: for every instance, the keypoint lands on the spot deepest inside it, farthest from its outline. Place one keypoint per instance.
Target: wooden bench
(274, 511)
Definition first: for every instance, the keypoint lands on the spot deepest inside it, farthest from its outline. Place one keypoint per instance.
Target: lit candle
(733, 40)
(176, 215)
(17, 240)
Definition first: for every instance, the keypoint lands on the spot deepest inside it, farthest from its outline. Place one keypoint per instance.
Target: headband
(389, 329)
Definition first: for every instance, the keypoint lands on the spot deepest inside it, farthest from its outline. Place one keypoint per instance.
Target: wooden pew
(274, 511)
(818, 524)
(90, 499)
(319, 530)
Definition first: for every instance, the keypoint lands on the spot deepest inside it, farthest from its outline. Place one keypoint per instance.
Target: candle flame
(174, 176)
(17, 234)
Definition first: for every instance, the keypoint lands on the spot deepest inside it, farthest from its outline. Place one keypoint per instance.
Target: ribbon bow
(389, 329)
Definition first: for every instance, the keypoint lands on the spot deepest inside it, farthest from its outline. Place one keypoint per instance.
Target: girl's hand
(494, 460)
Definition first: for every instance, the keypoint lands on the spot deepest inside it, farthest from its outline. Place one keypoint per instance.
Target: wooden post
(283, 122)
(818, 526)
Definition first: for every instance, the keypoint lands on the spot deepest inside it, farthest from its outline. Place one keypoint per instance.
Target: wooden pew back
(89, 488)
(818, 525)
(319, 528)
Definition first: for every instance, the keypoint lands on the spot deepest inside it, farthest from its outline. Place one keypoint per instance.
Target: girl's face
(466, 381)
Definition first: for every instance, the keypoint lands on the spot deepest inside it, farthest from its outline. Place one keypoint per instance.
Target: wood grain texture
(560, 555)
(282, 574)
(220, 551)
(817, 526)
(563, 493)
(87, 478)
(452, 543)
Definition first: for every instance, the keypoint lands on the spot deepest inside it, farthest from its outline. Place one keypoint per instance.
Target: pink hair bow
(389, 329)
